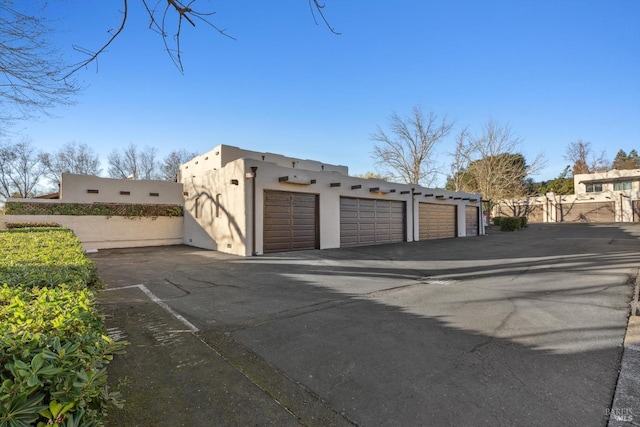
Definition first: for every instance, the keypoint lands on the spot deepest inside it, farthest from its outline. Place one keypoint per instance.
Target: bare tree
(33, 76)
(494, 166)
(132, 163)
(407, 152)
(73, 157)
(171, 163)
(584, 160)
(20, 170)
(31, 70)
(372, 175)
(460, 162)
(166, 17)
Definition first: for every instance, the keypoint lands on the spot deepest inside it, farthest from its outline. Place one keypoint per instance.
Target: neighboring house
(248, 203)
(612, 196)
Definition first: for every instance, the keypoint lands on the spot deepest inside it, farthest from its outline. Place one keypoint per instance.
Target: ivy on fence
(93, 209)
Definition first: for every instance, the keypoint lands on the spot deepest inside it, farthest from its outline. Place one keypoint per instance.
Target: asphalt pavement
(520, 328)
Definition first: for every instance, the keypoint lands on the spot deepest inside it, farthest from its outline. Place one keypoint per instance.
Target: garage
(370, 221)
(588, 212)
(472, 227)
(290, 221)
(437, 221)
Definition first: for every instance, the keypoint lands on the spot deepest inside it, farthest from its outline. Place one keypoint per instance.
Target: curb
(625, 410)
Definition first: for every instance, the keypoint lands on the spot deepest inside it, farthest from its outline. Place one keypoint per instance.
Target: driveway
(521, 328)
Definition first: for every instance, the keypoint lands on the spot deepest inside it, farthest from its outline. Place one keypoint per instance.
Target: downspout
(413, 215)
(254, 169)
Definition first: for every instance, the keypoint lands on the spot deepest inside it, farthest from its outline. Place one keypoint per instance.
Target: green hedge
(44, 257)
(497, 220)
(510, 223)
(53, 348)
(93, 209)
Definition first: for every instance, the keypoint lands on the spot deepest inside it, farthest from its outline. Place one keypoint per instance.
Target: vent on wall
(125, 193)
(90, 191)
(154, 194)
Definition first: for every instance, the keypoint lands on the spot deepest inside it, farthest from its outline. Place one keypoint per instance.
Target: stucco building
(249, 203)
(612, 196)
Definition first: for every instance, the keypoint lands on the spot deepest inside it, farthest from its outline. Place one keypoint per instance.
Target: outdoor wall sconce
(335, 184)
(355, 187)
(380, 190)
(297, 179)
(234, 182)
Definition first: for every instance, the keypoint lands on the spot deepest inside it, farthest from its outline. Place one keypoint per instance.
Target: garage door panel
(290, 221)
(370, 221)
(472, 227)
(437, 221)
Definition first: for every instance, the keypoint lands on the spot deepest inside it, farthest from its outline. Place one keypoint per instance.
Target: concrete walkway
(522, 328)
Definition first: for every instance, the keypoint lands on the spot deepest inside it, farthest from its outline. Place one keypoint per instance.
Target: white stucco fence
(102, 232)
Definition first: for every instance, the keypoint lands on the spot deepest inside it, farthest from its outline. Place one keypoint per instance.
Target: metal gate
(588, 212)
(370, 221)
(290, 221)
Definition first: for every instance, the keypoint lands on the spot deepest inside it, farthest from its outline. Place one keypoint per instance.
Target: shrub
(509, 223)
(128, 210)
(497, 220)
(53, 349)
(45, 257)
(523, 222)
(11, 225)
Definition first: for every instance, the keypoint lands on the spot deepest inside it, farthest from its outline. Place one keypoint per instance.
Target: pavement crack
(302, 403)
(295, 312)
(506, 318)
(186, 292)
(214, 284)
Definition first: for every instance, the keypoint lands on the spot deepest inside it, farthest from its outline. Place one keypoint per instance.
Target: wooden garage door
(290, 221)
(471, 219)
(437, 221)
(369, 221)
(588, 212)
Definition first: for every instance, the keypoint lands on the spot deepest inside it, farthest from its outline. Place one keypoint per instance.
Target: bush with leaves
(510, 223)
(53, 349)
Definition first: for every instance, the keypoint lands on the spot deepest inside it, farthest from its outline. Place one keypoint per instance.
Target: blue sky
(555, 71)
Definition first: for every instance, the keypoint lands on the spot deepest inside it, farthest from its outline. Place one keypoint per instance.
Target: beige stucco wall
(222, 219)
(101, 232)
(222, 155)
(75, 188)
(623, 204)
(215, 214)
(580, 181)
